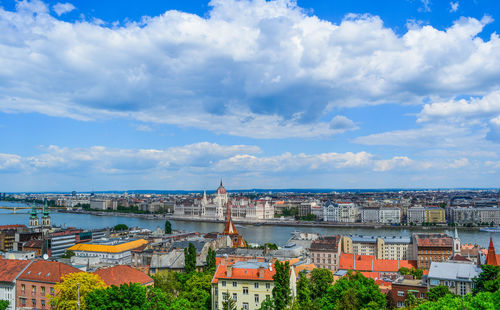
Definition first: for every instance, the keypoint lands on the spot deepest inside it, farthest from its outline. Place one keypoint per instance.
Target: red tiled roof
(13, 226)
(243, 274)
(47, 271)
(434, 240)
(491, 258)
(123, 274)
(369, 263)
(10, 269)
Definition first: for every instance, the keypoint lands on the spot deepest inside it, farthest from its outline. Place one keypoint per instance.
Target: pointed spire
(456, 233)
(33, 211)
(45, 209)
(491, 258)
(220, 182)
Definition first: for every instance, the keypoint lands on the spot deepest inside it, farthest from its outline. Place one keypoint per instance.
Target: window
(33, 301)
(422, 295)
(256, 285)
(33, 290)
(245, 290)
(23, 288)
(400, 304)
(268, 285)
(256, 297)
(223, 283)
(43, 303)
(463, 288)
(43, 290)
(235, 296)
(52, 291)
(23, 302)
(224, 295)
(245, 306)
(235, 284)
(401, 293)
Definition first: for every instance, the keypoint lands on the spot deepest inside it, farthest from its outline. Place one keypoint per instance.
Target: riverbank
(287, 223)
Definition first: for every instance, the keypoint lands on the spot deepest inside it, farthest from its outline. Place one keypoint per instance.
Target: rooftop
(46, 271)
(114, 247)
(123, 274)
(453, 271)
(10, 269)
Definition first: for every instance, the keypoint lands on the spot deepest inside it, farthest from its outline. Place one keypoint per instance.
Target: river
(253, 234)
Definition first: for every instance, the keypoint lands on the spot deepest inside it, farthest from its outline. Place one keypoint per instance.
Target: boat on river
(490, 229)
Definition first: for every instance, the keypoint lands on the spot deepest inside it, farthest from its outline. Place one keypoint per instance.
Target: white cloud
(454, 6)
(389, 164)
(493, 164)
(264, 68)
(426, 6)
(62, 8)
(341, 122)
(459, 163)
(9, 162)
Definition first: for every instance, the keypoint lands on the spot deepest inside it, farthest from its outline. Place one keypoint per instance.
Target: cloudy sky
(120, 95)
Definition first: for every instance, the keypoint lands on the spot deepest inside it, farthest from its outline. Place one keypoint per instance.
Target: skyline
(96, 96)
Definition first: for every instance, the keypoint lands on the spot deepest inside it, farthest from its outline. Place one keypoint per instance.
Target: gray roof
(184, 244)
(251, 264)
(453, 271)
(387, 239)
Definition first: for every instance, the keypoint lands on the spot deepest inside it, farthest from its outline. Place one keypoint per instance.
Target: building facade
(325, 252)
(454, 275)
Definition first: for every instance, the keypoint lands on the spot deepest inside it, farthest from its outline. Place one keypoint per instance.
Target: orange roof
(47, 271)
(12, 226)
(10, 269)
(369, 263)
(243, 274)
(118, 248)
(303, 267)
(123, 274)
(434, 240)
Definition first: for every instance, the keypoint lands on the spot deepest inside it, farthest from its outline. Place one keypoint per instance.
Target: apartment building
(382, 247)
(456, 276)
(390, 216)
(432, 248)
(325, 252)
(341, 212)
(10, 270)
(248, 283)
(435, 215)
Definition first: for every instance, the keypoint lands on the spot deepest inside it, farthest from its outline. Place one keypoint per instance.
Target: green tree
(127, 296)
(228, 303)
(211, 260)
(267, 304)
(4, 304)
(168, 227)
(68, 254)
(281, 289)
(483, 300)
(438, 292)
(168, 283)
(120, 227)
(304, 299)
(321, 280)
(190, 258)
(412, 302)
(361, 292)
(488, 280)
(67, 290)
(196, 290)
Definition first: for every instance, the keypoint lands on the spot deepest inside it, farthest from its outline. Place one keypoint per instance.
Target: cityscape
(249, 155)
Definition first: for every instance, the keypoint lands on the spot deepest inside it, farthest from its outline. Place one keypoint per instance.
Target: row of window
(24, 302)
(33, 290)
(255, 285)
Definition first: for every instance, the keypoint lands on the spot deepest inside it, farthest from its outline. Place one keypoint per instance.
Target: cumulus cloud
(62, 8)
(340, 122)
(265, 69)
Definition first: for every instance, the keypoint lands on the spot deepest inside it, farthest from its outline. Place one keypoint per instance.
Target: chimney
(261, 272)
(229, 271)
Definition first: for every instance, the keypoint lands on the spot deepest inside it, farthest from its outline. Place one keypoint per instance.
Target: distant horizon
(263, 190)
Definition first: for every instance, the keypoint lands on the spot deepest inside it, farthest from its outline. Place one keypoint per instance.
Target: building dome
(221, 190)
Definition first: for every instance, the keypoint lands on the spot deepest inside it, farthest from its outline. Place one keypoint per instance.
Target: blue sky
(119, 95)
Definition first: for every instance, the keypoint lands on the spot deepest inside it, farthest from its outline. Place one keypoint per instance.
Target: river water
(253, 234)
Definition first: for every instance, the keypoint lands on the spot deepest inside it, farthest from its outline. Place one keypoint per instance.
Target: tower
(220, 201)
(491, 258)
(231, 231)
(34, 217)
(204, 203)
(46, 216)
(456, 243)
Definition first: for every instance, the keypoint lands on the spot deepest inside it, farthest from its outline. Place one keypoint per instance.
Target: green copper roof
(33, 211)
(45, 210)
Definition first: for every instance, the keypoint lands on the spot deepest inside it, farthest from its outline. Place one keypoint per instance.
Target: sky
(176, 95)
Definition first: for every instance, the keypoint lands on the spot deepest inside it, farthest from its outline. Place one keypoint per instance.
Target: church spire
(33, 211)
(45, 209)
(491, 258)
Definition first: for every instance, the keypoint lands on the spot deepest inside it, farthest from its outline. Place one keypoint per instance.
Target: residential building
(325, 252)
(432, 248)
(37, 281)
(415, 215)
(370, 215)
(435, 215)
(9, 272)
(389, 216)
(402, 287)
(248, 283)
(106, 251)
(382, 247)
(341, 212)
(456, 276)
(123, 274)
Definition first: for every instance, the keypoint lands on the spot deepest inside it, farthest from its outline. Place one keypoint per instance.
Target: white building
(108, 252)
(341, 212)
(370, 215)
(415, 215)
(390, 216)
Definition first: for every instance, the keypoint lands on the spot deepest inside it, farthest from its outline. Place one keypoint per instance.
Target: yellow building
(108, 251)
(382, 247)
(248, 283)
(435, 215)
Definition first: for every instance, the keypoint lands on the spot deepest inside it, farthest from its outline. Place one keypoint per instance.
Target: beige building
(248, 283)
(435, 215)
(398, 248)
(456, 276)
(325, 252)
